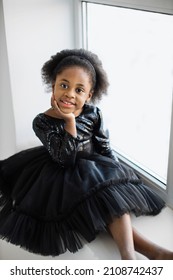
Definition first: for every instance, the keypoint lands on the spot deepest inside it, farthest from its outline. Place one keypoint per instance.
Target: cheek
(54, 91)
(83, 101)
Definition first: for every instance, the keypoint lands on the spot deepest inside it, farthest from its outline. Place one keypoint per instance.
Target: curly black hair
(77, 57)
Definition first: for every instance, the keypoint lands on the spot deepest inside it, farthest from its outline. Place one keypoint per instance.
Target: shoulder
(40, 118)
(90, 110)
(43, 120)
(92, 114)
(46, 118)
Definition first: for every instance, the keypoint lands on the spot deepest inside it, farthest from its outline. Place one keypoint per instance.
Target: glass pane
(136, 48)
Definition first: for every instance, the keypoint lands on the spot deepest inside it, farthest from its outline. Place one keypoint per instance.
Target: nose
(70, 93)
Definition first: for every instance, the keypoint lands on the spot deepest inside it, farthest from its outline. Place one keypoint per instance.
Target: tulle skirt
(47, 209)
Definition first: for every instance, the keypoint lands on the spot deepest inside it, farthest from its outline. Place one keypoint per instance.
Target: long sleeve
(101, 140)
(60, 144)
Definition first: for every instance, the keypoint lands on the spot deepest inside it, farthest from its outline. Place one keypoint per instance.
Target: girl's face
(72, 89)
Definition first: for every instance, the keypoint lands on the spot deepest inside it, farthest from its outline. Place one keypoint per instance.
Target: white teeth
(67, 102)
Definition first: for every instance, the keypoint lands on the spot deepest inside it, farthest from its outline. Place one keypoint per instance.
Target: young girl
(73, 186)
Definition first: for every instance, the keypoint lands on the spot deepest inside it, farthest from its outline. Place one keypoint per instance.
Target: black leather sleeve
(101, 139)
(60, 144)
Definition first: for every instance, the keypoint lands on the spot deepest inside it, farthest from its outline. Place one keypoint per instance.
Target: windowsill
(158, 186)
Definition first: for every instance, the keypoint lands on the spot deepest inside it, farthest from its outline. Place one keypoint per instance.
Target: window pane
(136, 48)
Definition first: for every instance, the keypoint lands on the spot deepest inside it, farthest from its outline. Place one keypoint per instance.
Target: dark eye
(79, 90)
(64, 86)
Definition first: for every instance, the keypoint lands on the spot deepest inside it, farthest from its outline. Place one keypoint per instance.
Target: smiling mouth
(67, 103)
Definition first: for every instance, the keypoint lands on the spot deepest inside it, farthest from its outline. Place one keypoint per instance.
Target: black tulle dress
(55, 196)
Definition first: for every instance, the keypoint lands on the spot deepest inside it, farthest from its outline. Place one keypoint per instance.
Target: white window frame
(161, 6)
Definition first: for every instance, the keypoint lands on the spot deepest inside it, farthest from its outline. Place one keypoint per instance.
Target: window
(136, 48)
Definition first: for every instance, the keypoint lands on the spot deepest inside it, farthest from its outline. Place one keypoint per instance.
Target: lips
(67, 103)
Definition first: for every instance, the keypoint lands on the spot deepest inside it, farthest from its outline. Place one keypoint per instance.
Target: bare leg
(121, 231)
(150, 249)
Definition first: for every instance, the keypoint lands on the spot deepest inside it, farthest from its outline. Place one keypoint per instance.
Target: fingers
(58, 111)
(54, 104)
(55, 107)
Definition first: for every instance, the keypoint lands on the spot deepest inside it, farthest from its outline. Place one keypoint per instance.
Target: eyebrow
(64, 80)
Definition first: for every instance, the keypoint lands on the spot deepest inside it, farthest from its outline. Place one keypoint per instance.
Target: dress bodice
(62, 146)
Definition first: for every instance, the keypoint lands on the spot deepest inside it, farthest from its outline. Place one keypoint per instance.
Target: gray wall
(7, 125)
(31, 31)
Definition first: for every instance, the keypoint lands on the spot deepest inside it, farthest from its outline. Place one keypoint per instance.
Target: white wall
(7, 126)
(35, 30)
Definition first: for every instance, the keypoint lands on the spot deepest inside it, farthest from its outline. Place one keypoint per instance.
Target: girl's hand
(70, 122)
(59, 113)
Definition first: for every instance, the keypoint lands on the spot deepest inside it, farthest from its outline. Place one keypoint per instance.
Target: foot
(162, 254)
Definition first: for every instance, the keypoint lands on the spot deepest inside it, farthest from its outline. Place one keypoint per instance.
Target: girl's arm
(61, 145)
(101, 139)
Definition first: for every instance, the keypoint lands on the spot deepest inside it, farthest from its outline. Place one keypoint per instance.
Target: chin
(67, 111)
